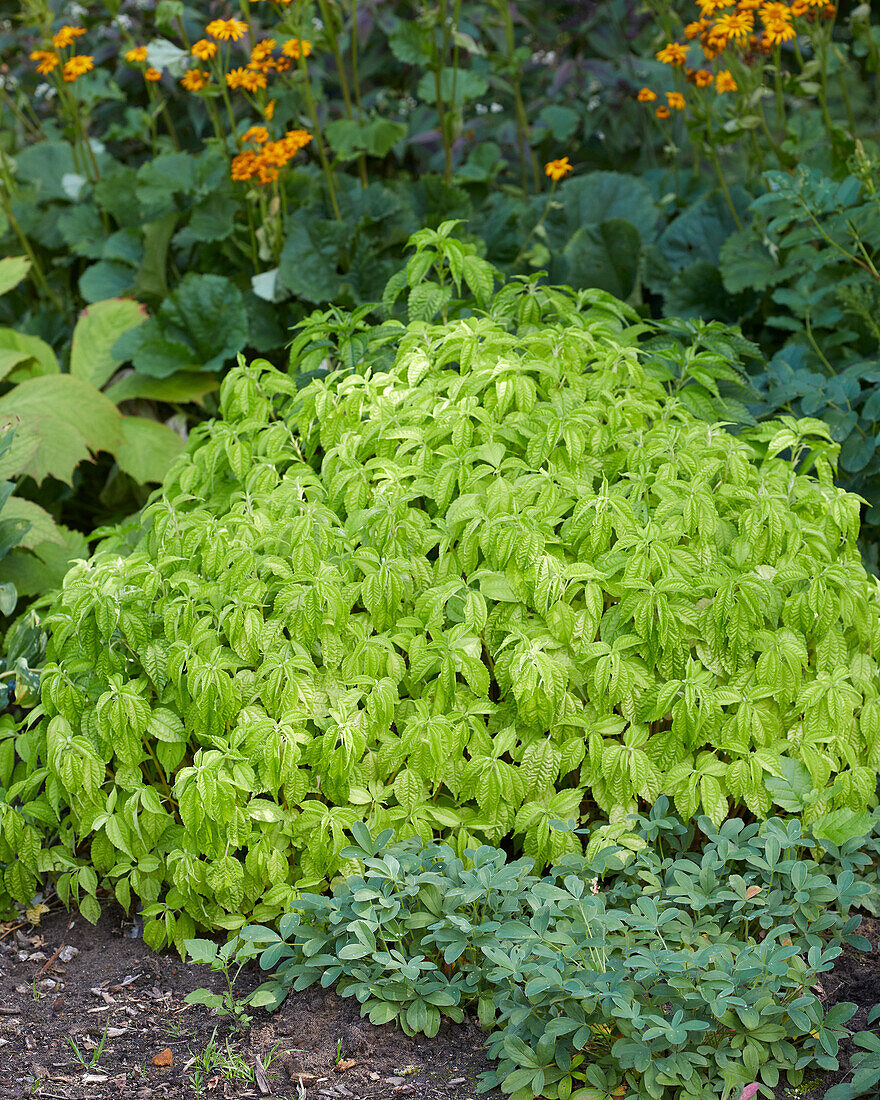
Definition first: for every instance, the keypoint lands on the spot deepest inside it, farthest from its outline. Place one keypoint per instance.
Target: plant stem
(319, 138)
(522, 123)
(713, 156)
(39, 274)
(355, 79)
(780, 101)
(439, 59)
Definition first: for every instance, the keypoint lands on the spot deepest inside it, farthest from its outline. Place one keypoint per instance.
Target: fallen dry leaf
(163, 1058)
(345, 1064)
(33, 915)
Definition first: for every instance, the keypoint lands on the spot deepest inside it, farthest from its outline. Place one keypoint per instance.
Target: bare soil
(66, 986)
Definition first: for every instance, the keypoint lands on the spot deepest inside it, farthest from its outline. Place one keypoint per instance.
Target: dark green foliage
(673, 972)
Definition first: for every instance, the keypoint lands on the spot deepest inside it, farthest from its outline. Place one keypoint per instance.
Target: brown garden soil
(64, 982)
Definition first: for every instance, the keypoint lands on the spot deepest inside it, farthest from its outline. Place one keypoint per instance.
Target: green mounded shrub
(507, 580)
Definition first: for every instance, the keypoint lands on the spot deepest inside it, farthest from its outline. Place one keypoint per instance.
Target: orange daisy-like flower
(772, 11)
(195, 79)
(557, 169)
(152, 75)
(246, 79)
(737, 24)
(138, 54)
(749, 5)
(662, 112)
(646, 95)
(46, 60)
(263, 49)
(203, 49)
(76, 66)
(259, 135)
(227, 29)
(709, 7)
(675, 101)
(269, 110)
(694, 30)
(778, 31)
(673, 53)
(296, 48)
(800, 7)
(66, 36)
(702, 78)
(724, 81)
(829, 11)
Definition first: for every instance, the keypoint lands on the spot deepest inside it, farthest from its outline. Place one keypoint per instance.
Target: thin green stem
(355, 80)
(37, 267)
(439, 62)
(319, 138)
(713, 156)
(777, 84)
(522, 124)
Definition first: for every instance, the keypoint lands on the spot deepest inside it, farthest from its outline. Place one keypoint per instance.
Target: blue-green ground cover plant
(681, 965)
(504, 577)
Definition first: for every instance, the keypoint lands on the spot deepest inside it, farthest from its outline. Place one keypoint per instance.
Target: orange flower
(694, 30)
(646, 95)
(557, 169)
(709, 7)
(702, 78)
(204, 50)
(829, 11)
(778, 31)
(247, 79)
(737, 24)
(263, 49)
(195, 79)
(673, 53)
(138, 54)
(46, 60)
(244, 166)
(749, 5)
(296, 47)
(800, 7)
(257, 134)
(66, 36)
(724, 81)
(227, 29)
(269, 110)
(76, 66)
(675, 101)
(775, 10)
(662, 112)
(152, 75)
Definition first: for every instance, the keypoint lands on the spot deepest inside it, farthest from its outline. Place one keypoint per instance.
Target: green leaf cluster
(656, 968)
(500, 580)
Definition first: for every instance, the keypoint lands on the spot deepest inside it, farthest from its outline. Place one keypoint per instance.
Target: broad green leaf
(605, 256)
(24, 347)
(147, 448)
(70, 420)
(99, 327)
(180, 389)
(12, 270)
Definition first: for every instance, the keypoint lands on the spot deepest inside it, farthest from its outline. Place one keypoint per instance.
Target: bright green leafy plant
(665, 971)
(505, 580)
